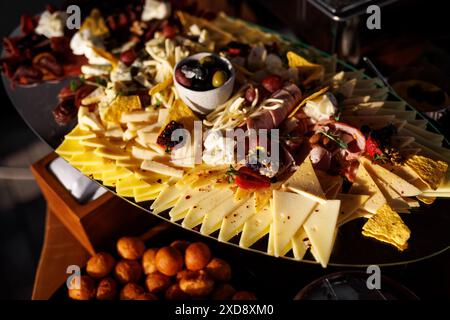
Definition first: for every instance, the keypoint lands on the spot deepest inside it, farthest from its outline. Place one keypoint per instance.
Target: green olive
(207, 61)
(219, 78)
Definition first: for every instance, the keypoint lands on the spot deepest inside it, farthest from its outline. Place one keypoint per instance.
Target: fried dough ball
(197, 284)
(169, 261)
(244, 295)
(219, 269)
(197, 256)
(128, 271)
(157, 282)
(149, 260)
(180, 245)
(183, 273)
(174, 292)
(86, 291)
(100, 265)
(130, 291)
(130, 248)
(223, 291)
(146, 296)
(107, 289)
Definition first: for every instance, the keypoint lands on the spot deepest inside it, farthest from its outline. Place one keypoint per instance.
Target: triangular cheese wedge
(256, 227)
(349, 204)
(213, 219)
(304, 181)
(270, 244)
(402, 187)
(233, 222)
(320, 228)
(392, 197)
(300, 244)
(190, 198)
(364, 184)
(290, 210)
(196, 214)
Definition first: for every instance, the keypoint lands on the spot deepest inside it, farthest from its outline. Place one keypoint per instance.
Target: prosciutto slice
(290, 94)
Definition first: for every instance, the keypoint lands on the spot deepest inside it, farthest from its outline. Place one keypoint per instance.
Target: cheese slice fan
(233, 222)
(364, 184)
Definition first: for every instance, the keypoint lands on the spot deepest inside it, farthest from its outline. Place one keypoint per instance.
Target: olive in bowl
(204, 81)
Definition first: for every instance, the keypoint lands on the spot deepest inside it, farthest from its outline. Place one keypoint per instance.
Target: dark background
(413, 33)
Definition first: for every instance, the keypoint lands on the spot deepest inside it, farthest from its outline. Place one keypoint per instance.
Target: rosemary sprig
(336, 139)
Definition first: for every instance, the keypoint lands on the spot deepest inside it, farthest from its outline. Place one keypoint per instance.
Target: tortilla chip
(429, 171)
(120, 105)
(181, 113)
(313, 71)
(387, 226)
(310, 97)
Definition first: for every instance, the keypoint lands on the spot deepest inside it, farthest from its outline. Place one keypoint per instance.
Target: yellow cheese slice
(189, 199)
(212, 220)
(256, 227)
(167, 198)
(145, 197)
(196, 214)
(321, 227)
(98, 169)
(300, 244)
(290, 210)
(233, 222)
(87, 158)
(111, 153)
(70, 147)
(131, 182)
(304, 181)
(78, 134)
(119, 173)
(161, 168)
(364, 184)
(349, 204)
(270, 242)
(129, 193)
(402, 187)
(393, 198)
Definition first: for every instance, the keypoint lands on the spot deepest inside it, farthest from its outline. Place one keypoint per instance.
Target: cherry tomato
(249, 179)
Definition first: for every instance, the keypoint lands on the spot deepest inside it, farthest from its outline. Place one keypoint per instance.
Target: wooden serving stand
(75, 231)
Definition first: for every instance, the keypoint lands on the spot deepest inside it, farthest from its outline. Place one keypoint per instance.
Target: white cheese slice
(393, 198)
(161, 168)
(143, 153)
(197, 213)
(189, 199)
(349, 204)
(320, 228)
(213, 219)
(256, 227)
(138, 116)
(233, 222)
(300, 244)
(364, 184)
(402, 187)
(304, 181)
(270, 242)
(290, 210)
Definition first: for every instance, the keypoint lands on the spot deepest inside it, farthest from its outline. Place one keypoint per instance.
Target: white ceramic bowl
(205, 101)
